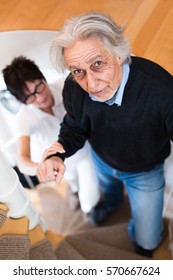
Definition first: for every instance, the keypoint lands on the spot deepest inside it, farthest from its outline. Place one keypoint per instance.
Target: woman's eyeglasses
(30, 98)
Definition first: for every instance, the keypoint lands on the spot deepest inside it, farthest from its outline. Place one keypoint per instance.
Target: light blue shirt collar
(118, 96)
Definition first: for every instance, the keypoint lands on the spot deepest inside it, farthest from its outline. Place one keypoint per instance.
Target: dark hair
(18, 72)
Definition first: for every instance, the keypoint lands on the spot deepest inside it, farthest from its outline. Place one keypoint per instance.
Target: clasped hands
(53, 168)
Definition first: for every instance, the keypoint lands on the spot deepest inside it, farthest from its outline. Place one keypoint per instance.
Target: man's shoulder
(71, 87)
(144, 63)
(70, 81)
(151, 70)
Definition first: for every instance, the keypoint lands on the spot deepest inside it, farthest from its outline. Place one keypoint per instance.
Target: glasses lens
(30, 99)
(40, 87)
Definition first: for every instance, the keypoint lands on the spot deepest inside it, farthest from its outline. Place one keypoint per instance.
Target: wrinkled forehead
(85, 51)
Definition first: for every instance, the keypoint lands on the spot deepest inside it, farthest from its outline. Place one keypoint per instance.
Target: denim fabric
(145, 191)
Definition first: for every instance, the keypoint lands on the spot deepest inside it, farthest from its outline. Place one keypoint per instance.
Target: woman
(38, 124)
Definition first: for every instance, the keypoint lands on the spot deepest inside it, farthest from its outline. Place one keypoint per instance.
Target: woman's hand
(53, 149)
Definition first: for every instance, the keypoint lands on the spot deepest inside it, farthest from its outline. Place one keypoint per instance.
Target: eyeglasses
(30, 98)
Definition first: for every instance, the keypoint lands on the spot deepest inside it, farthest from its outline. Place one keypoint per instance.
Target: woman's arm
(25, 164)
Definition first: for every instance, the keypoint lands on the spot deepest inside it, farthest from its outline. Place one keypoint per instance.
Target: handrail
(15, 197)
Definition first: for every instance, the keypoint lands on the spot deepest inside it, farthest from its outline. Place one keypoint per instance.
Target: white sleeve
(25, 122)
(56, 90)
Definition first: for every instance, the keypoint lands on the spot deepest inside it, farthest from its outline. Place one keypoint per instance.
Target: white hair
(89, 25)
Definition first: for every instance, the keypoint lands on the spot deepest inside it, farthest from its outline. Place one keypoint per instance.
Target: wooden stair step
(115, 236)
(50, 207)
(73, 222)
(3, 213)
(66, 251)
(118, 216)
(92, 250)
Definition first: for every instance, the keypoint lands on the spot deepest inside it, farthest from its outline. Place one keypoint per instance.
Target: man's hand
(51, 169)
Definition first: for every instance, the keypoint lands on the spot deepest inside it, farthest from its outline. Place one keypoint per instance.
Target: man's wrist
(60, 155)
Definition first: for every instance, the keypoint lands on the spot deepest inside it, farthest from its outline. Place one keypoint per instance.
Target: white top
(41, 127)
(43, 130)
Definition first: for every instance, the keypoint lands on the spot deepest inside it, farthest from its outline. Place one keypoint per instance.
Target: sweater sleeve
(167, 112)
(72, 136)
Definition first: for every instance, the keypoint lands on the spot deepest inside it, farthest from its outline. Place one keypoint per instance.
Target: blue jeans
(145, 191)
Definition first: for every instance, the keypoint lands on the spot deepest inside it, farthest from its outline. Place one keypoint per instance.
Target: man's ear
(119, 60)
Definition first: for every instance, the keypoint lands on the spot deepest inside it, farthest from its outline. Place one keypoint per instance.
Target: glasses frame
(36, 91)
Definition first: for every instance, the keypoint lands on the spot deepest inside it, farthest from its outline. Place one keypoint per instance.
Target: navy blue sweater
(132, 137)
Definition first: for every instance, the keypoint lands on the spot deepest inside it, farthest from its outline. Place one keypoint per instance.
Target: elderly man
(123, 106)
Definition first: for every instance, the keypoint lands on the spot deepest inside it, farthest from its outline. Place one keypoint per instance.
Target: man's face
(94, 68)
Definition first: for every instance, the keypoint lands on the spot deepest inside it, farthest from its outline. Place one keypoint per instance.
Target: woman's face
(38, 94)
(94, 68)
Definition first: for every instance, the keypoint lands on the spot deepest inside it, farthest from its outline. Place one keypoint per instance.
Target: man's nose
(92, 81)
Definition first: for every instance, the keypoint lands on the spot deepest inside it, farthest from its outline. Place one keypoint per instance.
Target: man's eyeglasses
(30, 98)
